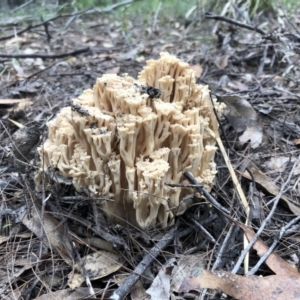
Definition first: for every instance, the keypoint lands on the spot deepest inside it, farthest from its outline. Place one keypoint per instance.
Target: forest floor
(44, 64)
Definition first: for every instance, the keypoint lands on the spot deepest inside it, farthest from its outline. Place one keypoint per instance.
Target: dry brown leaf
(131, 54)
(107, 45)
(222, 62)
(270, 187)
(160, 287)
(21, 235)
(278, 163)
(243, 117)
(187, 266)
(274, 262)
(7, 105)
(296, 142)
(138, 292)
(51, 231)
(113, 70)
(198, 70)
(238, 85)
(13, 101)
(97, 265)
(140, 58)
(15, 41)
(102, 263)
(79, 293)
(284, 285)
(166, 46)
(244, 288)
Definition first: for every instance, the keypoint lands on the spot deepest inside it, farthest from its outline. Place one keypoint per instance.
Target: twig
(219, 255)
(41, 71)
(155, 16)
(205, 193)
(18, 33)
(263, 82)
(45, 56)
(277, 88)
(90, 9)
(105, 289)
(238, 187)
(117, 243)
(266, 220)
(21, 6)
(112, 7)
(46, 25)
(272, 247)
(116, 5)
(260, 70)
(84, 273)
(231, 171)
(212, 239)
(209, 15)
(130, 281)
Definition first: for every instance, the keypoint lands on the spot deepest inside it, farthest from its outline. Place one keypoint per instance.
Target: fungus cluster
(126, 138)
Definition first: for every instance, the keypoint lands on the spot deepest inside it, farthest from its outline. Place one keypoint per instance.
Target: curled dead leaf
(243, 118)
(269, 187)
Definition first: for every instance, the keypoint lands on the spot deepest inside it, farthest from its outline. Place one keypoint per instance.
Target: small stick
(204, 192)
(272, 247)
(209, 15)
(275, 201)
(131, 280)
(46, 56)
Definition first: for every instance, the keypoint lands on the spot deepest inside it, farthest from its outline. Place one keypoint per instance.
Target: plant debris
(248, 57)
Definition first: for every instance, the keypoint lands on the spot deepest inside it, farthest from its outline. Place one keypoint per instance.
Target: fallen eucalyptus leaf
(274, 261)
(97, 265)
(190, 265)
(49, 229)
(245, 288)
(283, 285)
(268, 186)
(243, 118)
(161, 286)
(198, 70)
(67, 294)
(138, 292)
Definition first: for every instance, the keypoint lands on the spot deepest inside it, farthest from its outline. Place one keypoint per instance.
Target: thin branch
(272, 247)
(88, 10)
(209, 15)
(266, 220)
(131, 280)
(210, 237)
(46, 56)
(18, 33)
(205, 193)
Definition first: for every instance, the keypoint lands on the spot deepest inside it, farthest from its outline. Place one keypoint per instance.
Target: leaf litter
(283, 285)
(253, 73)
(243, 118)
